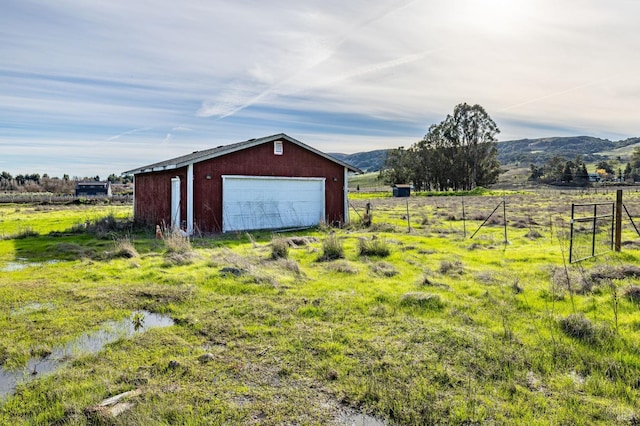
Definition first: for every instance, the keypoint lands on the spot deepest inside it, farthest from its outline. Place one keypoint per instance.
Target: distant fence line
(45, 198)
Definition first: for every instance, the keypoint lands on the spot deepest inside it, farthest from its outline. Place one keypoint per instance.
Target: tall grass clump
(332, 249)
(176, 242)
(102, 228)
(279, 248)
(374, 247)
(22, 234)
(178, 248)
(124, 248)
(581, 328)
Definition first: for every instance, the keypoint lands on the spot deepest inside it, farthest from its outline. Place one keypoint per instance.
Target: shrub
(374, 247)
(331, 248)
(279, 248)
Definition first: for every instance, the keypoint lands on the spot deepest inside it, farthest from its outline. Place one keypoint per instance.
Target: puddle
(88, 343)
(361, 420)
(19, 266)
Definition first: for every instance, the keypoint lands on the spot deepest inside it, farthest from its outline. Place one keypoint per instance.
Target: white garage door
(256, 202)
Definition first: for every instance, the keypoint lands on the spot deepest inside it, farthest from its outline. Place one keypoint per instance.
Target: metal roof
(198, 156)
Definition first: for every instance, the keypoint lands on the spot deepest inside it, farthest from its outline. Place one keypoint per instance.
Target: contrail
(217, 109)
(552, 95)
(112, 138)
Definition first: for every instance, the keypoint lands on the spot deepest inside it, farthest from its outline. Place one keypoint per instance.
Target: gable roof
(198, 156)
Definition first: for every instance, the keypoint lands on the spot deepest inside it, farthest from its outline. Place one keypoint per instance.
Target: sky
(94, 87)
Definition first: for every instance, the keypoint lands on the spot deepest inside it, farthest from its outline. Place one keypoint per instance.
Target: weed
(373, 247)
(331, 248)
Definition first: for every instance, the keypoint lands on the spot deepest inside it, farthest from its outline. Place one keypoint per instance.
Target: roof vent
(252, 139)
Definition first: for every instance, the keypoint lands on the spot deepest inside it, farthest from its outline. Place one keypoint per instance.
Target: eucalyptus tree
(458, 153)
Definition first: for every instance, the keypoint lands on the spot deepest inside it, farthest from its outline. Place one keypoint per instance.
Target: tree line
(44, 183)
(460, 153)
(559, 170)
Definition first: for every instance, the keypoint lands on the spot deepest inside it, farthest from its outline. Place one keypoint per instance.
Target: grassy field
(408, 321)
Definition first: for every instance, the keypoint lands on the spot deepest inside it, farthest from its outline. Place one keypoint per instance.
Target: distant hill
(524, 151)
(370, 161)
(538, 151)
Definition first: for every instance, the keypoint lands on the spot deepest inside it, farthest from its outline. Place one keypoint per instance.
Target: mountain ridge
(528, 151)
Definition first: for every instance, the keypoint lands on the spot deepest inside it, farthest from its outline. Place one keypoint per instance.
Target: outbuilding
(402, 190)
(93, 189)
(274, 182)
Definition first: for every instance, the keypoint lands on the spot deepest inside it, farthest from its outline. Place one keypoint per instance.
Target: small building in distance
(401, 190)
(93, 189)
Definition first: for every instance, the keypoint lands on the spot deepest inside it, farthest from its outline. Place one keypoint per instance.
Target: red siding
(153, 196)
(153, 190)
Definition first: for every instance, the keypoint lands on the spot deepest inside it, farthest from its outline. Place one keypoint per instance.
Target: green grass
(444, 329)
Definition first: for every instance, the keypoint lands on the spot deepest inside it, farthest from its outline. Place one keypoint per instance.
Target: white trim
(271, 177)
(278, 148)
(346, 195)
(134, 196)
(190, 199)
(175, 203)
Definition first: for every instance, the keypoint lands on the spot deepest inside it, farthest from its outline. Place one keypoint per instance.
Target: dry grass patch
(448, 267)
(343, 267)
(384, 269)
(422, 300)
(633, 293)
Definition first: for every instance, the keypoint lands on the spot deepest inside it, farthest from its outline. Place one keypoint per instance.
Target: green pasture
(416, 323)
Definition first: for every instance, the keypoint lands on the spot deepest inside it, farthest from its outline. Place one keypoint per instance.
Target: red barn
(273, 182)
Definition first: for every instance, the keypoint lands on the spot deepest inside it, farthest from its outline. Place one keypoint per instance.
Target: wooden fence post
(618, 225)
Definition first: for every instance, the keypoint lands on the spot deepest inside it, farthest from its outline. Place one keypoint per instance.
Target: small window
(277, 147)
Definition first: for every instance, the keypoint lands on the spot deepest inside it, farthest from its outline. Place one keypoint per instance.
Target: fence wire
(592, 227)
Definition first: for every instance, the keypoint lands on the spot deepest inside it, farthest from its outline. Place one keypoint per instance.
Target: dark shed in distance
(402, 190)
(93, 189)
(274, 182)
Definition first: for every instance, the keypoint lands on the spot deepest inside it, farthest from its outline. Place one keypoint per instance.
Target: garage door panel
(270, 203)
